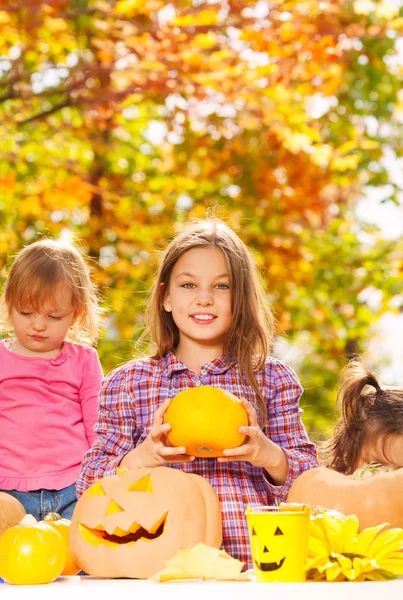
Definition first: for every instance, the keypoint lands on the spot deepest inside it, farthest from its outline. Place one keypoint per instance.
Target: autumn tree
(121, 120)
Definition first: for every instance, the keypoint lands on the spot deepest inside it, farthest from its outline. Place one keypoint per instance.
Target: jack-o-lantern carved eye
(278, 531)
(142, 485)
(96, 490)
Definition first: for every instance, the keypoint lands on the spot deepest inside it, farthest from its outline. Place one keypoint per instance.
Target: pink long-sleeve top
(48, 408)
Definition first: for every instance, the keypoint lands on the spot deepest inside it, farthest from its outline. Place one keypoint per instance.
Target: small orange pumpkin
(129, 524)
(63, 527)
(374, 500)
(11, 511)
(205, 420)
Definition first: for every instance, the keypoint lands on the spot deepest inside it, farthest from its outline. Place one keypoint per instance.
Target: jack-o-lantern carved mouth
(270, 566)
(120, 537)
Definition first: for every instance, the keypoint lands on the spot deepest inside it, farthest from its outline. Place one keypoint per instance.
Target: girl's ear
(166, 303)
(75, 317)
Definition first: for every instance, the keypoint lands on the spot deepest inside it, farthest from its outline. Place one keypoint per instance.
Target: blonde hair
(250, 335)
(369, 417)
(41, 270)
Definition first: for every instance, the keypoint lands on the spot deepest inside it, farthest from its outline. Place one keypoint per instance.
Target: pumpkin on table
(205, 420)
(11, 511)
(129, 524)
(374, 500)
(31, 553)
(63, 527)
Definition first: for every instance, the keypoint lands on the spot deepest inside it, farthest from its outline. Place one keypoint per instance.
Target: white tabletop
(77, 588)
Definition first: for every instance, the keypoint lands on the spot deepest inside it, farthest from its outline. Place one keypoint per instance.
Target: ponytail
(353, 379)
(342, 452)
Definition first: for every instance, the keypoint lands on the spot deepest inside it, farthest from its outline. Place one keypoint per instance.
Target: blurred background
(121, 120)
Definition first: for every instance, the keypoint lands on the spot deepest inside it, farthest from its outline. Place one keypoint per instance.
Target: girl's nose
(204, 298)
(39, 323)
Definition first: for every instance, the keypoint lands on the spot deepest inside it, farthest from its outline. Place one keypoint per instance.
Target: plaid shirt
(131, 394)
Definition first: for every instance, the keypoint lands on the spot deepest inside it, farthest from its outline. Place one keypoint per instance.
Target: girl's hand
(258, 449)
(154, 451)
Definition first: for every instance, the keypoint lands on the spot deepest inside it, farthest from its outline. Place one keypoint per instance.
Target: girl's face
(43, 332)
(387, 452)
(199, 297)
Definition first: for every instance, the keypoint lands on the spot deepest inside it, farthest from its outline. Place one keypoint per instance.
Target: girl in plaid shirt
(212, 326)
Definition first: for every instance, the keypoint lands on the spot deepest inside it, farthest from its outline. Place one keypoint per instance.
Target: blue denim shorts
(40, 502)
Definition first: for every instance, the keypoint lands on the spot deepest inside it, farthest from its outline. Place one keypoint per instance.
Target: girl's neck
(18, 348)
(195, 356)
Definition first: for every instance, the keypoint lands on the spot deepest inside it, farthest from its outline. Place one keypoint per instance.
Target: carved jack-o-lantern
(128, 525)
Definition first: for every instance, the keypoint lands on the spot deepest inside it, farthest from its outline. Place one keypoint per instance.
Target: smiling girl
(49, 376)
(211, 326)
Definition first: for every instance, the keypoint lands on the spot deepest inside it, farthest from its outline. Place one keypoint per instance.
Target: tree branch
(45, 113)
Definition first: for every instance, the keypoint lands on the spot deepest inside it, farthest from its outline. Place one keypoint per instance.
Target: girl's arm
(89, 390)
(286, 450)
(285, 428)
(115, 429)
(118, 439)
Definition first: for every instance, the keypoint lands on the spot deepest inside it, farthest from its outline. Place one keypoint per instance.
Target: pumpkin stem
(52, 517)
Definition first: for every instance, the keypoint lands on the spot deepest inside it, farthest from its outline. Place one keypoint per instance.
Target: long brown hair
(250, 335)
(39, 271)
(369, 417)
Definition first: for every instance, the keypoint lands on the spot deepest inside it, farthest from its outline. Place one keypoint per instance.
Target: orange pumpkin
(374, 500)
(205, 420)
(11, 511)
(128, 525)
(63, 527)
(31, 553)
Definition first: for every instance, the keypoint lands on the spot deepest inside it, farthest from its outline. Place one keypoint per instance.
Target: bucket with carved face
(278, 537)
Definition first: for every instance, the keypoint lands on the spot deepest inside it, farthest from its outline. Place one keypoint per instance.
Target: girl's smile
(203, 318)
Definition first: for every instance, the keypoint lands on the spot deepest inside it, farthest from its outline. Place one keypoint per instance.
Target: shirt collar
(219, 365)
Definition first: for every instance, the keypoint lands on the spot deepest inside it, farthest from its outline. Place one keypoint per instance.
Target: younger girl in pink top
(48, 385)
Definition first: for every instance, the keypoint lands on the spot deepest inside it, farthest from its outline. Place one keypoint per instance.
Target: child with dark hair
(369, 434)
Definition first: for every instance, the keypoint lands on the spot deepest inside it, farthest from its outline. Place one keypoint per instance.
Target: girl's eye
(25, 314)
(188, 286)
(222, 286)
(55, 318)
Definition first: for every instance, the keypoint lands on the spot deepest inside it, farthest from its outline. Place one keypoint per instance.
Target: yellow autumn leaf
(297, 142)
(30, 206)
(321, 155)
(347, 147)
(369, 144)
(344, 163)
(55, 25)
(201, 19)
(397, 23)
(201, 562)
(4, 17)
(205, 40)
(128, 8)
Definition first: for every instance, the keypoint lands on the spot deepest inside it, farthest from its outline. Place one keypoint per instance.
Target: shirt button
(198, 382)
(203, 371)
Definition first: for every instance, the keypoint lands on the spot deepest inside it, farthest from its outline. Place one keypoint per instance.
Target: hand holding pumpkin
(258, 449)
(154, 451)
